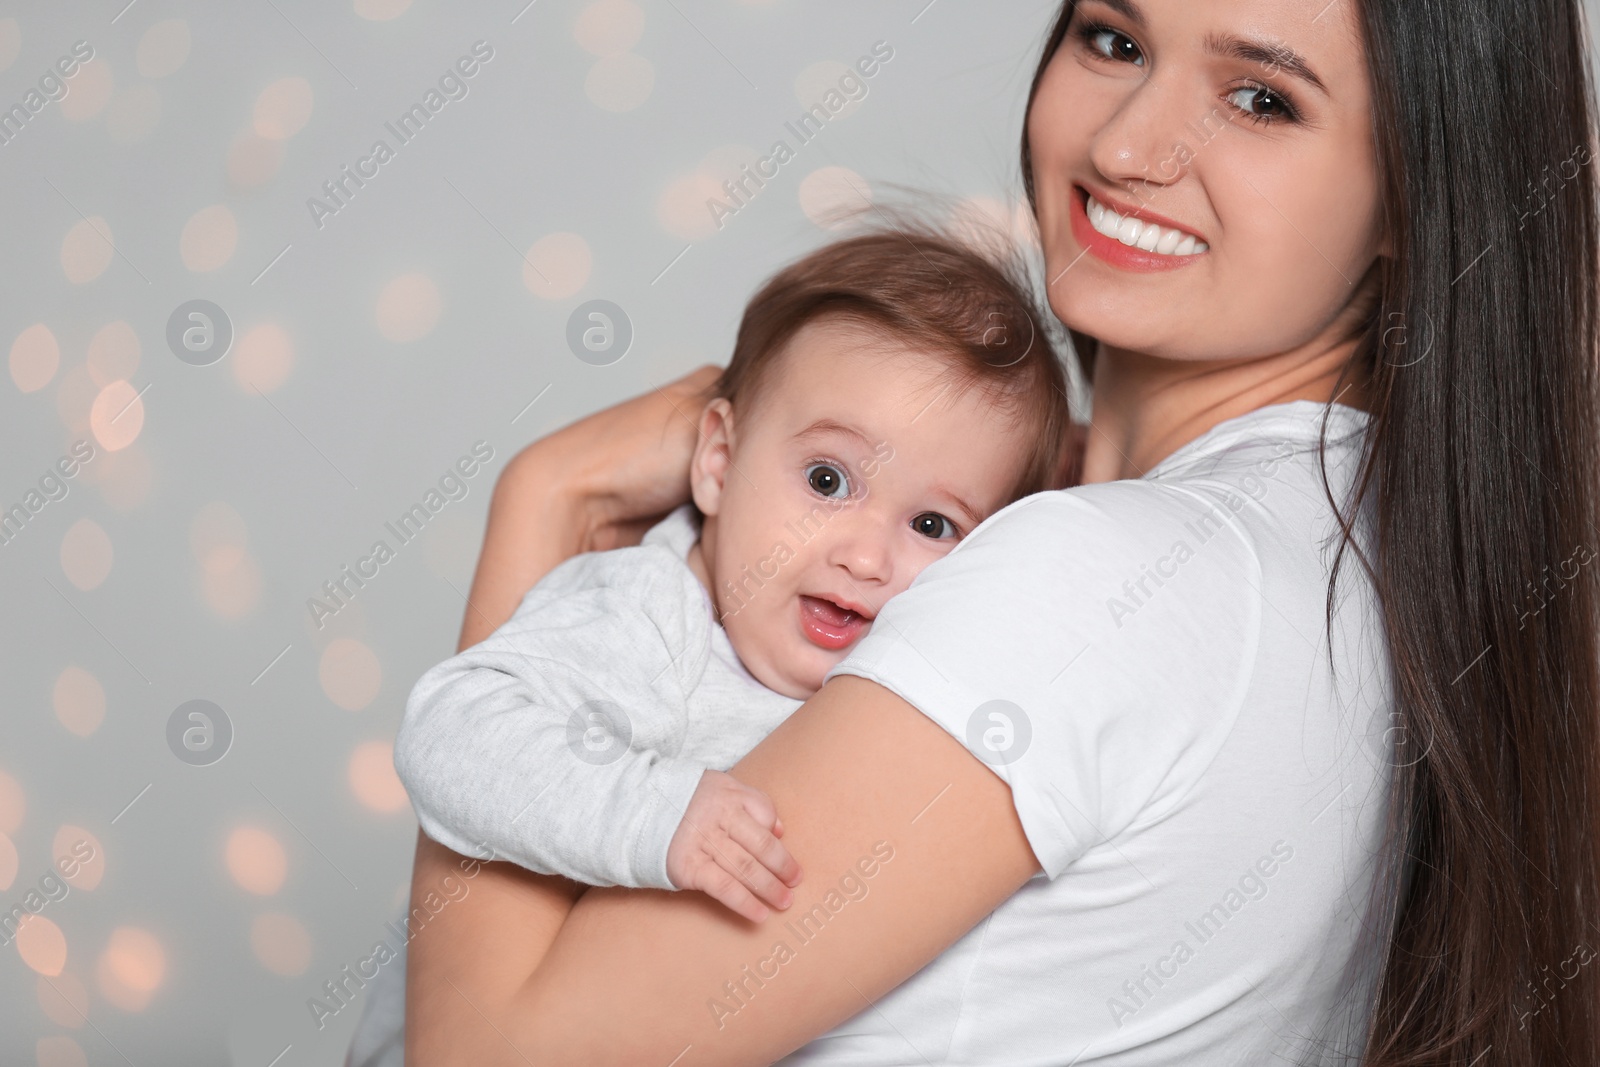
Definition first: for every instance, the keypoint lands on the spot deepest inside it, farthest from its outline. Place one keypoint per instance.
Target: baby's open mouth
(831, 625)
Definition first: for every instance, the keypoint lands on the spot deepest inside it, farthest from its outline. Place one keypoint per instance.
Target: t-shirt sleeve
(555, 743)
(1093, 646)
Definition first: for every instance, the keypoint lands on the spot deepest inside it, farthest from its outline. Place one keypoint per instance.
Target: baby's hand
(727, 847)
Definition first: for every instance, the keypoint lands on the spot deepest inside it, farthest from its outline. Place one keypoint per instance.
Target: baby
(886, 394)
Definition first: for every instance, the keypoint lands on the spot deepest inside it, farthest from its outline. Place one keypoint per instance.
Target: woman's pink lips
(1115, 252)
(827, 625)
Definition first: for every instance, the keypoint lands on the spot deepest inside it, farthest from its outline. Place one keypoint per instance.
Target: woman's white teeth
(1146, 236)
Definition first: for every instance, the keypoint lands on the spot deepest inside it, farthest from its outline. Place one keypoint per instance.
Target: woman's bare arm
(579, 490)
(508, 975)
(915, 839)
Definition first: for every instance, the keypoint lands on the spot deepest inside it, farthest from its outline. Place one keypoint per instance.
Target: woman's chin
(1112, 319)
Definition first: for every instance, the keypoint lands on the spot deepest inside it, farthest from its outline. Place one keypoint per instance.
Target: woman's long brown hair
(1481, 483)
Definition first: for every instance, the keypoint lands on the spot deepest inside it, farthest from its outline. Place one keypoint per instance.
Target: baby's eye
(827, 480)
(934, 525)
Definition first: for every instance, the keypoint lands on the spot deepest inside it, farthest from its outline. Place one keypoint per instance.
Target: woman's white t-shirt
(1146, 664)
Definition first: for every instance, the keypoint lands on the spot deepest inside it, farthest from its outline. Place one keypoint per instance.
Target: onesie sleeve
(555, 742)
(1093, 646)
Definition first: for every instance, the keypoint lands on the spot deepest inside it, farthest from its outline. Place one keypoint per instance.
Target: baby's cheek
(757, 637)
(913, 563)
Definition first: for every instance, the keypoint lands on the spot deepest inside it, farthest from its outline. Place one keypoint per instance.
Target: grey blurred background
(379, 337)
(194, 873)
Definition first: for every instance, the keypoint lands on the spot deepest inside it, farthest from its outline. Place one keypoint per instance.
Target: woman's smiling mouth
(1131, 243)
(1145, 236)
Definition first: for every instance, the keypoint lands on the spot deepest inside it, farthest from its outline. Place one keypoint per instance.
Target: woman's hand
(597, 484)
(629, 464)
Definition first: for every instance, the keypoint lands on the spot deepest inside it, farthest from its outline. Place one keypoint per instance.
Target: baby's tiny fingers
(733, 858)
(728, 891)
(758, 805)
(770, 853)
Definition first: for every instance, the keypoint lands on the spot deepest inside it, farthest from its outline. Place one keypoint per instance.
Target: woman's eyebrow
(1263, 53)
(1127, 9)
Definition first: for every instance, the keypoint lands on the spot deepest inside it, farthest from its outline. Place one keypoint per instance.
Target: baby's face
(858, 465)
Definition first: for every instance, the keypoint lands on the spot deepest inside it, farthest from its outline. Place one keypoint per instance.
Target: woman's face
(1244, 124)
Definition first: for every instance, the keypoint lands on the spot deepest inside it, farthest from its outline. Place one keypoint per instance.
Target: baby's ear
(713, 453)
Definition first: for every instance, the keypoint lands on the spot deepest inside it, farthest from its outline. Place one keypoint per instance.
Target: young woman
(1273, 742)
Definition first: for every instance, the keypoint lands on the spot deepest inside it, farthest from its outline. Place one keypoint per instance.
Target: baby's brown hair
(919, 286)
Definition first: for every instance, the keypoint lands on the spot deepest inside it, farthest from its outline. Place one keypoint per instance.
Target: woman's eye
(1113, 45)
(1261, 104)
(827, 480)
(934, 525)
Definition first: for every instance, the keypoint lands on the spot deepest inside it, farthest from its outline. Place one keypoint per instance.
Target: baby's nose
(866, 555)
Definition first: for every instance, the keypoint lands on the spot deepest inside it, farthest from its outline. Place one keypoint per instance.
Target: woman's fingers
(623, 465)
(639, 450)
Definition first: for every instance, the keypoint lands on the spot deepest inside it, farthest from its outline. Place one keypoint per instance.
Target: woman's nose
(1145, 141)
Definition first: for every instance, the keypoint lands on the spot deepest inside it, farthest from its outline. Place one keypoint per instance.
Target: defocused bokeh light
(86, 554)
(256, 860)
(283, 108)
(41, 944)
(834, 197)
(87, 250)
(557, 266)
(79, 700)
(34, 358)
(209, 238)
(280, 943)
(163, 48)
(350, 673)
(131, 968)
(64, 999)
(373, 779)
(408, 308)
(114, 353)
(91, 91)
